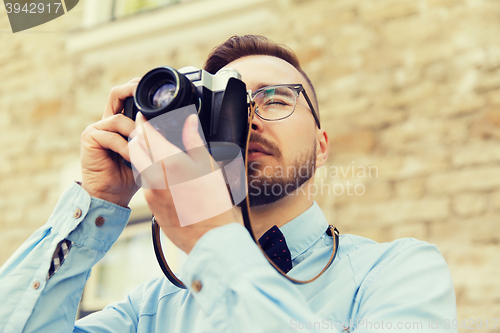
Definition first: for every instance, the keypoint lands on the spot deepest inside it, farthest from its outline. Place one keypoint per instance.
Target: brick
(413, 94)
(467, 64)
(375, 84)
(495, 201)
(378, 118)
(419, 134)
(488, 81)
(398, 168)
(340, 126)
(357, 141)
(46, 109)
(474, 290)
(494, 97)
(413, 230)
(438, 72)
(397, 211)
(353, 38)
(384, 58)
(469, 204)
(491, 60)
(349, 107)
(471, 231)
(430, 52)
(487, 126)
(406, 76)
(383, 10)
(442, 3)
(360, 192)
(345, 86)
(464, 103)
(476, 179)
(419, 165)
(410, 189)
(418, 28)
(478, 152)
(378, 234)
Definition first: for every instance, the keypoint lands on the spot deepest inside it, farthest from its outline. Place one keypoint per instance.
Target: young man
(402, 286)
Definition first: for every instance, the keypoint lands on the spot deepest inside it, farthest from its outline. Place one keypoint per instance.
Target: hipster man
(404, 285)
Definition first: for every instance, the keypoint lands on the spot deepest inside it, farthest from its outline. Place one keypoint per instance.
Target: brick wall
(410, 88)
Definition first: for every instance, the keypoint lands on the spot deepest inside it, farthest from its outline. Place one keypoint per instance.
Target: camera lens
(163, 95)
(164, 89)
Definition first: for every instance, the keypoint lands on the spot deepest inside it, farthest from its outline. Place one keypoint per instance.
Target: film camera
(220, 100)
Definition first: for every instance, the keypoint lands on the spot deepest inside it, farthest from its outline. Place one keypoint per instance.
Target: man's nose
(257, 123)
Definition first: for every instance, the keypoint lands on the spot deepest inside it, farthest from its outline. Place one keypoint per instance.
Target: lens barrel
(164, 89)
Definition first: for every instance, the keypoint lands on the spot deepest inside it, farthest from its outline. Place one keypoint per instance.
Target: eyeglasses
(278, 102)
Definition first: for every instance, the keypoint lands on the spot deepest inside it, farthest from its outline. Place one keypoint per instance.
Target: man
(402, 286)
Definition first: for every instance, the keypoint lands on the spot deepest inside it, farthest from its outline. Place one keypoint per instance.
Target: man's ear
(322, 147)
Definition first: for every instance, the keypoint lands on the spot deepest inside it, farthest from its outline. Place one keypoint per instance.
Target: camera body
(220, 100)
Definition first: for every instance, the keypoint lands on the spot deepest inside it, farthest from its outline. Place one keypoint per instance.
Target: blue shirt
(404, 285)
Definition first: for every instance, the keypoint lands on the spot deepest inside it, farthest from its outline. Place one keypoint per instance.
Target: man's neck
(279, 213)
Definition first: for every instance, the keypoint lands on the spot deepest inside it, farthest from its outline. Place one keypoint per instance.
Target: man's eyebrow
(262, 85)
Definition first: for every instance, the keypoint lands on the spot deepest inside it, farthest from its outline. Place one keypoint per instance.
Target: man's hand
(104, 175)
(197, 199)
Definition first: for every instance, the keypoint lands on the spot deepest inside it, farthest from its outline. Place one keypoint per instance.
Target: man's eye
(279, 100)
(276, 102)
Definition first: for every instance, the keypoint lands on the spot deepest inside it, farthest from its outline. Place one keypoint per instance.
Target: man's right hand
(104, 175)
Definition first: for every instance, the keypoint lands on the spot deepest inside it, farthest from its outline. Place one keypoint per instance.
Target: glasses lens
(163, 95)
(275, 103)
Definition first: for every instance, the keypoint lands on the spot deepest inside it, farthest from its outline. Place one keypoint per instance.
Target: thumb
(195, 143)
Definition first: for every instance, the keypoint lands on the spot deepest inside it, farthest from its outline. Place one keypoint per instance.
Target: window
(97, 12)
(142, 25)
(124, 8)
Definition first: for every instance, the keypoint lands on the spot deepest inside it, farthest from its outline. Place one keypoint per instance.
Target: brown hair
(240, 46)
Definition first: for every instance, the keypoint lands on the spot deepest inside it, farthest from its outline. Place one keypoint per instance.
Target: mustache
(270, 146)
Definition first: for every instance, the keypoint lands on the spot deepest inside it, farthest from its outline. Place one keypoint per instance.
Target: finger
(152, 171)
(178, 166)
(117, 123)
(146, 173)
(117, 96)
(93, 138)
(135, 80)
(158, 146)
(195, 145)
(139, 154)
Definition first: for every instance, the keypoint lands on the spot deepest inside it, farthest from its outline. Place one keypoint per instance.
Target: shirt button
(77, 213)
(99, 221)
(196, 285)
(36, 285)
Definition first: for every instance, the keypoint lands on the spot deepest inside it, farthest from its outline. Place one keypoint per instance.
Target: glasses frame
(297, 89)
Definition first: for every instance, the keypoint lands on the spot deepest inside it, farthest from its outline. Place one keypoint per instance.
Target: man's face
(282, 154)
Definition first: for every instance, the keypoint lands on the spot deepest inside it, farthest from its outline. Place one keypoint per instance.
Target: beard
(267, 189)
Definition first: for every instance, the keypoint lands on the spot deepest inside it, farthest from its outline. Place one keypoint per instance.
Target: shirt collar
(304, 230)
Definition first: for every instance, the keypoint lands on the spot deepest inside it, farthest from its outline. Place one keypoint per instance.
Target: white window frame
(190, 21)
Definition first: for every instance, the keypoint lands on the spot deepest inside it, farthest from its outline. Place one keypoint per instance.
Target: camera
(220, 101)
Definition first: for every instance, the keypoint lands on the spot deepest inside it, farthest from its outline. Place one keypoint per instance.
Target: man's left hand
(197, 199)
